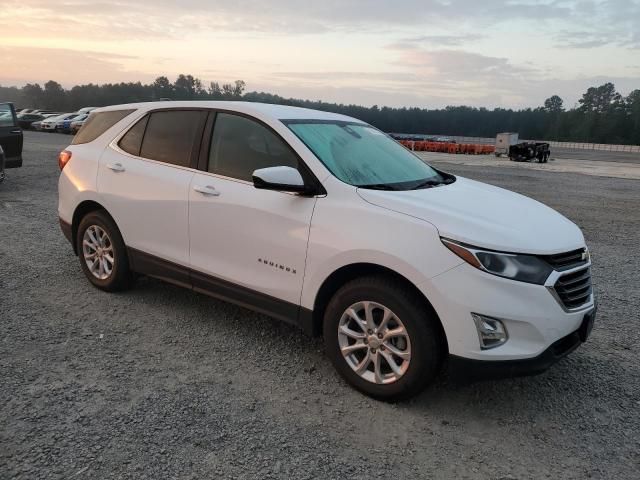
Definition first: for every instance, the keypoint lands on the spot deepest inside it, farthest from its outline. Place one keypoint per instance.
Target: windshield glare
(363, 156)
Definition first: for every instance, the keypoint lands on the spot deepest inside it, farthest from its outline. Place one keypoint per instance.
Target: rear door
(144, 179)
(10, 136)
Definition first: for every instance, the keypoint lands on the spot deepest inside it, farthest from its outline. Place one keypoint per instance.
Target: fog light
(491, 331)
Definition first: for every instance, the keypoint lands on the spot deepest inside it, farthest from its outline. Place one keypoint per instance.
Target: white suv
(327, 223)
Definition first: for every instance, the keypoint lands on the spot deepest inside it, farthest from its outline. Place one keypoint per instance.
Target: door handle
(16, 131)
(116, 167)
(207, 190)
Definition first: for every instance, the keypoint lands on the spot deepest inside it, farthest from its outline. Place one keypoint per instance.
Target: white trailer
(504, 141)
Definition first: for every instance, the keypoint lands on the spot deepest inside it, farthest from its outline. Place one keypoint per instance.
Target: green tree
(600, 99)
(215, 92)
(162, 88)
(553, 104)
(632, 103)
(33, 94)
(54, 96)
(187, 87)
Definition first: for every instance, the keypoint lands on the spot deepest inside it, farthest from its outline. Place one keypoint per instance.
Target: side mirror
(282, 179)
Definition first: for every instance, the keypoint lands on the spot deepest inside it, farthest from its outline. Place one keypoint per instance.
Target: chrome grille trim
(571, 286)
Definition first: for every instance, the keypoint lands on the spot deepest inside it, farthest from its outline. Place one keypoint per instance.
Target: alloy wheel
(97, 251)
(374, 342)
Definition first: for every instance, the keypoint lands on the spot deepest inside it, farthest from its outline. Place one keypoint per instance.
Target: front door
(245, 242)
(10, 136)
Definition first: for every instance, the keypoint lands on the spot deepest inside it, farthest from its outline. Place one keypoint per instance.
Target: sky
(423, 53)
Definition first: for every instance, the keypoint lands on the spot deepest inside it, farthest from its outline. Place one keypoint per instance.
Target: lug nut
(380, 336)
(369, 331)
(373, 350)
(381, 347)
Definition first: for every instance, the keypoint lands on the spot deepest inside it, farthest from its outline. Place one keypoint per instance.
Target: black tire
(120, 277)
(419, 320)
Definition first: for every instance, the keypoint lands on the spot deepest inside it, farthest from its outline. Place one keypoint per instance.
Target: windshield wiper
(434, 183)
(428, 184)
(379, 186)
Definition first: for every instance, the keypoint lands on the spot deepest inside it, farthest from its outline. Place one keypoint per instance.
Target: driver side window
(240, 145)
(6, 116)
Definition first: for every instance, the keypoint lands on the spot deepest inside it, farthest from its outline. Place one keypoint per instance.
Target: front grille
(574, 289)
(567, 260)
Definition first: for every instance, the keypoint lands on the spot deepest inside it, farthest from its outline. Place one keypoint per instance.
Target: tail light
(64, 158)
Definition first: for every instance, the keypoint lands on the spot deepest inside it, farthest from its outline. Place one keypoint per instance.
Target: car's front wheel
(382, 337)
(103, 255)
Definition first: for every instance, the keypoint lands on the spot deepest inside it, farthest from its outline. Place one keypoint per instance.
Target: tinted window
(6, 116)
(132, 140)
(169, 136)
(97, 124)
(239, 146)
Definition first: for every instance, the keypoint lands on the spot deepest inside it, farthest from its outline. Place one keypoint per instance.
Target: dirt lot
(160, 382)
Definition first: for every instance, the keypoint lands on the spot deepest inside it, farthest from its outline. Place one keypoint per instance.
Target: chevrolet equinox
(327, 223)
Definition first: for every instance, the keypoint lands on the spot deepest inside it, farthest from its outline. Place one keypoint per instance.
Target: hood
(484, 216)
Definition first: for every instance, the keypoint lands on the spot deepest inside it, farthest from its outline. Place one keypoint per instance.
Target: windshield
(363, 156)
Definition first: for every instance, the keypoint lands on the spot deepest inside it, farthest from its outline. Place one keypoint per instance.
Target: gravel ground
(160, 382)
(599, 155)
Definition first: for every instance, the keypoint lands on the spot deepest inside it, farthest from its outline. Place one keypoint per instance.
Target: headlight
(524, 268)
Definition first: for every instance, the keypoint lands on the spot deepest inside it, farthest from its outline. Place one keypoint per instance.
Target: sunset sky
(426, 53)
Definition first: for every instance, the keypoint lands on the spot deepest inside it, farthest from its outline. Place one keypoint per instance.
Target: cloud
(141, 18)
(443, 40)
(69, 67)
(611, 22)
(437, 52)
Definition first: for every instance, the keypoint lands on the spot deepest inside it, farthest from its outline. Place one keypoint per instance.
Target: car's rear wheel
(102, 253)
(382, 337)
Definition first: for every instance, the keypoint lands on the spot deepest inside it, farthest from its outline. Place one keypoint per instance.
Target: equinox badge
(284, 268)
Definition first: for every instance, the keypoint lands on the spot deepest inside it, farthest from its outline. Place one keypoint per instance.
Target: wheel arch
(345, 274)
(84, 208)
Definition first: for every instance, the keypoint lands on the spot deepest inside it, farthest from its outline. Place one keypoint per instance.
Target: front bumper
(470, 369)
(533, 317)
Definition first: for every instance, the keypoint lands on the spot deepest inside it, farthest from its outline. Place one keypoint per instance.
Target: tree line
(602, 115)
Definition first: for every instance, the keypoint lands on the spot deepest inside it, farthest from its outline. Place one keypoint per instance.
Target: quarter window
(240, 146)
(170, 135)
(97, 124)
(131, 142)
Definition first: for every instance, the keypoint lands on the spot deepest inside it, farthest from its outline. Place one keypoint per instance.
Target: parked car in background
(10, 136)
(325, 222)
(51, 124)
(66, 124)
(60, 123)
(87, 109)
(77, 124)
(38, 125)
(25, 120)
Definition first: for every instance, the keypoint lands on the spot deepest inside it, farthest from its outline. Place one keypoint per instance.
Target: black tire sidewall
(418, 320)
(120, 276)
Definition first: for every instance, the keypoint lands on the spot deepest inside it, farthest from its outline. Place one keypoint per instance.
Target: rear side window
(97, 124)
(131, 142)
(169, 136)
(239, 146)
